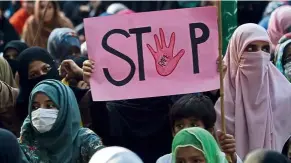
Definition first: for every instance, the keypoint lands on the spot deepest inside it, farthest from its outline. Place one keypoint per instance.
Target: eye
(50, 106)
(47, 68)
(179, 126)
(32, 75)
(197, 161)
(194, 125)
(266, 48)
(251, 48)
(35, 106)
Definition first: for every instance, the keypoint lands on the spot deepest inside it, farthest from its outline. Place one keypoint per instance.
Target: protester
(279, 24)
(7, 32)
(19, 18)
(264, 156)
(52, 131)
(35, 65)
(268, 11)
(12, 51)
(257, 95)
(283, 53)
(197, 111)
(115, 155)
(52, 19)
(63, 43)
(287, 149)
(196, 145)
(137, 124)
(9, 147)
(8, 95)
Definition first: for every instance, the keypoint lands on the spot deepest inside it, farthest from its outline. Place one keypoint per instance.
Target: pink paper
(168, 65)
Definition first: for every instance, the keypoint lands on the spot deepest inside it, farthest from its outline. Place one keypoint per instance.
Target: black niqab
(19, 47)
(9, 147)
(26, 85)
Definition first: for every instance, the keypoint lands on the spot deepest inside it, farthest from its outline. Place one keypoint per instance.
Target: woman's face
(37, 69)
(189, 155)
(258, 46)
(10, 54)
(42, 101)
(49, 12)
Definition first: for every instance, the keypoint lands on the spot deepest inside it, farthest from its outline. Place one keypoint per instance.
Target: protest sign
(153, 54)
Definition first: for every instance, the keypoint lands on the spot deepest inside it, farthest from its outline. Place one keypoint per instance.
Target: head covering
(279, 23)
(201, 140)
(263, 156)
(60, 41)
(9, 147)
(33, 23)
(26, 85)
(115, 8)
(115, 155)
(284, 42)
(19, 46)
(84, 49)
(61, 143)
(6, 74)
(257, 95)
(273, 5)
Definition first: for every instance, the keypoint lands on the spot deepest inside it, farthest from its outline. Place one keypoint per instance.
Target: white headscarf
(115, 8)
(115, 155)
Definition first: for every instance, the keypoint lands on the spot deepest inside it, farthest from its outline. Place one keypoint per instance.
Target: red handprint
(165, 60)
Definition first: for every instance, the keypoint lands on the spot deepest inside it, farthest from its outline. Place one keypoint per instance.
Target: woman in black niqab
(27, 80)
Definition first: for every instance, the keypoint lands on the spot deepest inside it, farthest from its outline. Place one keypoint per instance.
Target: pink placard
(153, 53)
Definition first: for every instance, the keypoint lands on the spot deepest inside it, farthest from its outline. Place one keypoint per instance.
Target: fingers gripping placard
(147, 54)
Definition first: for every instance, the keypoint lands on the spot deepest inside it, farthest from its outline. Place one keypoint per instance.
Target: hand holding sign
(165, 60)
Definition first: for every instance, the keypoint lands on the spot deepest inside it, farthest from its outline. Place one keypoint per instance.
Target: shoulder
(89, 138)
(165, 159)
(65, 22)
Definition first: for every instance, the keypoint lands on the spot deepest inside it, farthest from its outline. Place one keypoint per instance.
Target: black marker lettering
(195, 41)
(139, 32)
(120, 55)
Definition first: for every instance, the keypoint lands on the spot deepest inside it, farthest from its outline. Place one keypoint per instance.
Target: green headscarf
(200, 139)
(284, 42)
(62, 142)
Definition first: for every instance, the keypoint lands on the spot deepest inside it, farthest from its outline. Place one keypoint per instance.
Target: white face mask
(44, 119)
(287, 70)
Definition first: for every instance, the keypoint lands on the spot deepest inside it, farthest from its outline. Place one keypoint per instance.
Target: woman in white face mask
(257, 95)
(283, 56)
(52, 132)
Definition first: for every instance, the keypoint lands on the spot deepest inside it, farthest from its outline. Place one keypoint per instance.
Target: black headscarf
(9, 147)
(274, 157)
(137, 124)
(19, 47)
(26, 85)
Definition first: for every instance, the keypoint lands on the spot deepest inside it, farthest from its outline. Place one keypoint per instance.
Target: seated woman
(10, 151)
(257, 96)
(264, 156)
(52, 131)
(8, 95)
(196, 145)
(283, 56)
(115, 154)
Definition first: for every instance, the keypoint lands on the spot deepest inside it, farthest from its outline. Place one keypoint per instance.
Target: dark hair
(198, 106)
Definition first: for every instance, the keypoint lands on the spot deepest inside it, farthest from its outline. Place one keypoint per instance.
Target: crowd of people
(47, 113)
